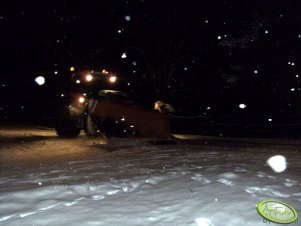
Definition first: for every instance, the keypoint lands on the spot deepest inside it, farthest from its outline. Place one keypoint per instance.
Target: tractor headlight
(89, 77)
(113, 79)
(81, 100)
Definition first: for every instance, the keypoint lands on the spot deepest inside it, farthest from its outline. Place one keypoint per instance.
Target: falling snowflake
(277, 163)
(292, 89)
(127, 18)
(203, 222)
(255, 72)
(123, 56)
(206, 21)
(134, 63)
(219, 37)
(40, 80)
(242, 106)
(119, 31)
(266, 32)
(270, 119)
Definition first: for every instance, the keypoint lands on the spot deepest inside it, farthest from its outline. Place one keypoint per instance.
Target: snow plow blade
(144, 122)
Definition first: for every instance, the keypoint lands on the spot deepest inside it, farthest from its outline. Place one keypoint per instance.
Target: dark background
(203, 57)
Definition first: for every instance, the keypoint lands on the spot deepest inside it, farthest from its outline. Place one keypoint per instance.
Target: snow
(277, 163)
(123, 56)
(200, 181)
(40, 80)
(242, 106)
(127, 18)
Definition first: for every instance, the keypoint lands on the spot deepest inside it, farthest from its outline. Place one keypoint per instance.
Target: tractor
(94, 103)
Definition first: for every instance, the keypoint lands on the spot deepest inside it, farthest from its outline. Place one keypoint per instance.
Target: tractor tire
(65, 126)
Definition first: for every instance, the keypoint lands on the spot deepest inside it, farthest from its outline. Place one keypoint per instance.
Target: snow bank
(136, 183)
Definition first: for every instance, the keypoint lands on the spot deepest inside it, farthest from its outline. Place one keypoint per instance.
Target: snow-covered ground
(203, 182)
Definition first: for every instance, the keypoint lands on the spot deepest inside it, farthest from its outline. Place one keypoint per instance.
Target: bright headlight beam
(81, 100)
(89, 78)
(113, 79)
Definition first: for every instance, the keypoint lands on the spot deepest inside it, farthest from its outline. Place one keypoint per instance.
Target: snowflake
(219, 37)
(127, 18)
(40, 80)
(123, 56)
(242, 106)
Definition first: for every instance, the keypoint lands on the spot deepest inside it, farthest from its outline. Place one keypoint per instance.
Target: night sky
(209, 58)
